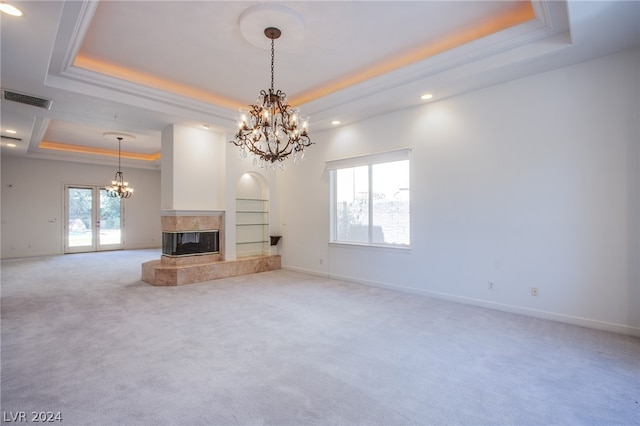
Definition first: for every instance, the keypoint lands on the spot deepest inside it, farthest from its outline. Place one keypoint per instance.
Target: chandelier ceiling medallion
(119, 188)
(272, 130)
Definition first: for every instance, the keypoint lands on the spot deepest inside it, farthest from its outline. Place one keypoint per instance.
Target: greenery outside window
(370, 199)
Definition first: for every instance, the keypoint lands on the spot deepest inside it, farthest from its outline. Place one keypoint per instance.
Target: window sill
(378, 247)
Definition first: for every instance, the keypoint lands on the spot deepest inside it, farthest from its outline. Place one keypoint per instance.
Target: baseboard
(513, 309)
(306, 271)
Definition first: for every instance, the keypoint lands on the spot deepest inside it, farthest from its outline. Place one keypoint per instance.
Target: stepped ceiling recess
(137, 66)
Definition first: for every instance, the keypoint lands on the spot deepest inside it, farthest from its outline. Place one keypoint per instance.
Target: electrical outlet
(490, 285)
(534, 291)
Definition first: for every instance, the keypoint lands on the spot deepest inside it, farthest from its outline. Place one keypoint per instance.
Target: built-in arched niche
(252, 216)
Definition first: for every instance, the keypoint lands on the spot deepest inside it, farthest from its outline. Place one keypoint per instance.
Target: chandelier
(119, 188)
(272, 130)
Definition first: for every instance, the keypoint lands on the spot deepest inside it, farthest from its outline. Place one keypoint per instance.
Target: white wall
(193, 169)
(32, 197)
(532, 183)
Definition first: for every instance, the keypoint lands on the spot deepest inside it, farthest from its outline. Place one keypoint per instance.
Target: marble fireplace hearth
(173, 270)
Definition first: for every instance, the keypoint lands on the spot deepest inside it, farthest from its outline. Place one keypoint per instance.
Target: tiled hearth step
(154, 272)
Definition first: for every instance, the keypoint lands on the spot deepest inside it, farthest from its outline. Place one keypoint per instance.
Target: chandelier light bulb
(242, 119)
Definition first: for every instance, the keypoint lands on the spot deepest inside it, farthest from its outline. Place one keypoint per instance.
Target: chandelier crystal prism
(119, 187)
(272, 130)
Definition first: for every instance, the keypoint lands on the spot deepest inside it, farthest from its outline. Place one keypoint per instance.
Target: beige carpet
(83, 336)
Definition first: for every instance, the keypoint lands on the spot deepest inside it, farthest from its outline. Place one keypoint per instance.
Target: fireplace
(191, 237)
(193, 251)
(176, 244)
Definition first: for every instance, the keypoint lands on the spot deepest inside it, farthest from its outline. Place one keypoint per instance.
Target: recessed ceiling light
(206, 126)
(11, 131)
(426, 96)
(335, 122)
(10, 9)
(11, 145)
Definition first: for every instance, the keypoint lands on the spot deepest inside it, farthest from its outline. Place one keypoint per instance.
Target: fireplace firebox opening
(190, 243)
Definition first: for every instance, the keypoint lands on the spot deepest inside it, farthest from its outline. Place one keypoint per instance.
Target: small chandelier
(119, 188)
(272, 130)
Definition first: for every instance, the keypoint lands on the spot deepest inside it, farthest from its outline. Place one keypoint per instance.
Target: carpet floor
(83, 336)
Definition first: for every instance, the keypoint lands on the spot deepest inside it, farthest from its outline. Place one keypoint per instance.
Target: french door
(93, 220)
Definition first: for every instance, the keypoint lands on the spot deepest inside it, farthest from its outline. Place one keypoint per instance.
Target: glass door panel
(110, 236)
(80, 225)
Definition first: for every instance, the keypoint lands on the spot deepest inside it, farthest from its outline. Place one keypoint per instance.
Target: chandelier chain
(272, 61)
(119, 153)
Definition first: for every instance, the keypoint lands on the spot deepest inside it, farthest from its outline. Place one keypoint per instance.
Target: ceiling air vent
(27, 99)
(11, 138)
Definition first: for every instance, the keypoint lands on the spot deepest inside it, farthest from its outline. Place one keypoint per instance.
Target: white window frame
(364, 160)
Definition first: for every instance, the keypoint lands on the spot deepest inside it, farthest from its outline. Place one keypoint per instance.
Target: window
(370, 199)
